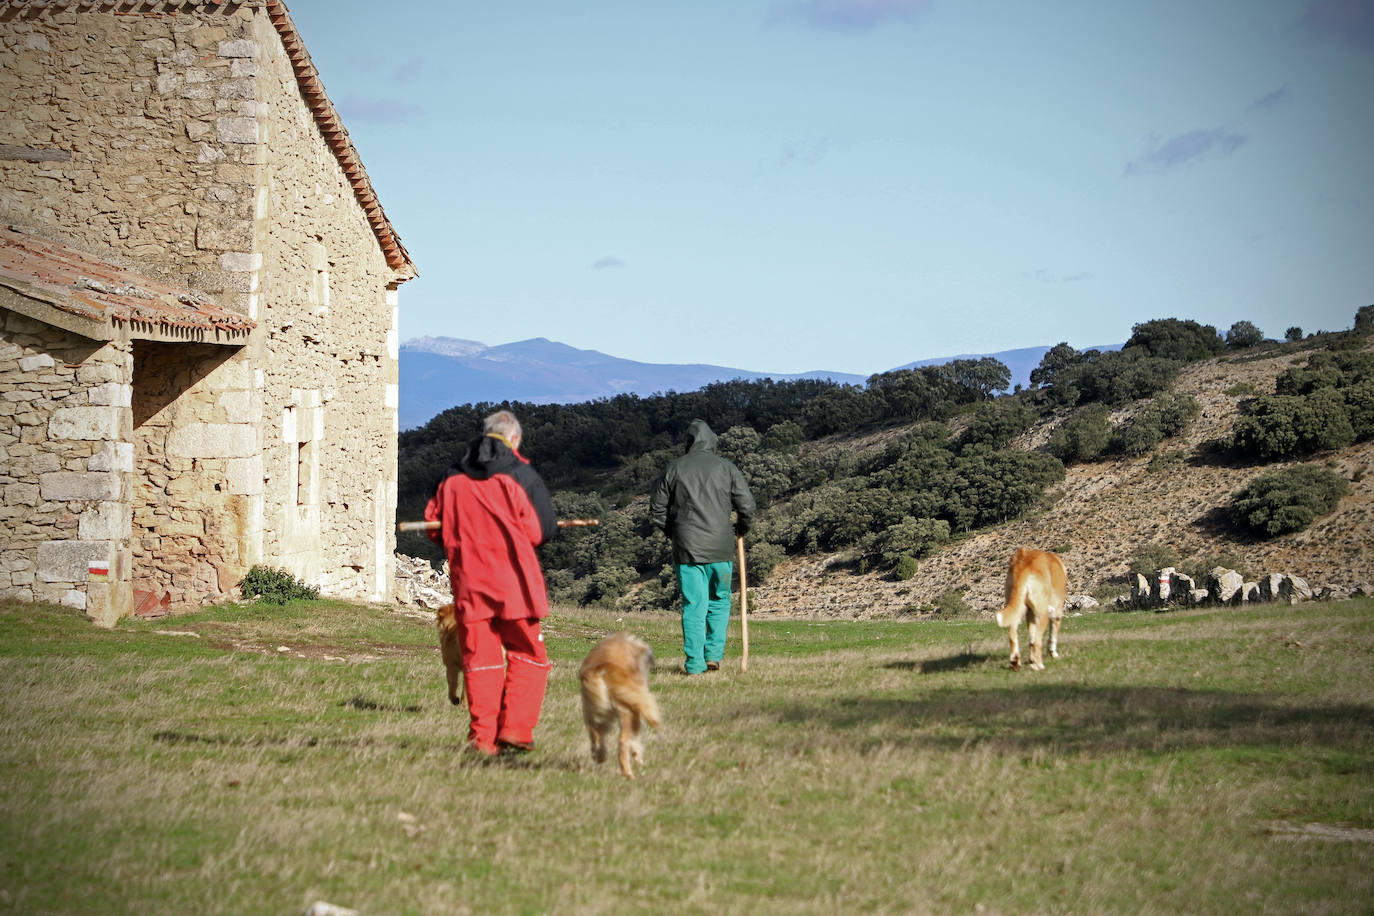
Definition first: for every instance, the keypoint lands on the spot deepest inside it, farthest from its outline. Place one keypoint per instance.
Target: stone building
(198, 312)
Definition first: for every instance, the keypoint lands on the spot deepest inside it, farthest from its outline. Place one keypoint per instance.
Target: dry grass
(1166, 763)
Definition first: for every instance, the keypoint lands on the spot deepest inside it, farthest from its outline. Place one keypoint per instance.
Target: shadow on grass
(172, 736)
(948, 663)
(1089, 720)
(456, 753)
(373, 706)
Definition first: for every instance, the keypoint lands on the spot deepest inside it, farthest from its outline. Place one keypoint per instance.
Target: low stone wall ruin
(418, 584)
(1221, 586)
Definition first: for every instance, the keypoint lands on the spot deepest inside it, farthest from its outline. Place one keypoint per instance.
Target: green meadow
(255, 759)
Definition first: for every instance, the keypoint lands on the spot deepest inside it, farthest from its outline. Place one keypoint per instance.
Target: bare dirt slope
(1105, 512)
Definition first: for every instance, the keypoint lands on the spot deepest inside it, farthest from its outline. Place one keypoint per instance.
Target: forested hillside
(436, 372)
(870, 495)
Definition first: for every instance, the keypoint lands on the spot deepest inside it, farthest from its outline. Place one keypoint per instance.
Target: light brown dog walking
(1036, 582)
(615, 686)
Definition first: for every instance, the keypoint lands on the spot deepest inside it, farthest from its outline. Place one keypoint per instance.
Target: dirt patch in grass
(229, 637)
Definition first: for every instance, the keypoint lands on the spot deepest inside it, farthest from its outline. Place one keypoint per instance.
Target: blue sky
(788, 185)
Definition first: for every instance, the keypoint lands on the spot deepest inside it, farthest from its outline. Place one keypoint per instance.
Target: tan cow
(1036, 581)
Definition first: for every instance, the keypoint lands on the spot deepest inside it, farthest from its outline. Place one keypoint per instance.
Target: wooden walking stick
(434, 526)
(743, 608)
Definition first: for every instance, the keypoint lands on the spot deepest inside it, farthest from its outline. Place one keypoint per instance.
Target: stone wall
(195, 431)
(66, 465)
(180, 143)
(148, 127)
(328, 303)
(134, 135)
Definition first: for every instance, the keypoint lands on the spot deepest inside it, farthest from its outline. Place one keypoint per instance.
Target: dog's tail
(602, 698)
(645, 704)
(447, 621)
(641, 702)
(1015, 593)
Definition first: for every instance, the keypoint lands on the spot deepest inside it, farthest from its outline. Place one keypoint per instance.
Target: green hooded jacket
(691, 502)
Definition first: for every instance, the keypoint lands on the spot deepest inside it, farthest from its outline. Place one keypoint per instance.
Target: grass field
(253, 760)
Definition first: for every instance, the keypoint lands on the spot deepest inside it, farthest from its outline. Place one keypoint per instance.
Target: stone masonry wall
(134, 135)
(181, 143)
(135, 138)
(66, 463)
(330, 356)
(195, 431)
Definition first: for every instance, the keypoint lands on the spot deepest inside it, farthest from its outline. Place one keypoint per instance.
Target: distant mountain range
(442, 372)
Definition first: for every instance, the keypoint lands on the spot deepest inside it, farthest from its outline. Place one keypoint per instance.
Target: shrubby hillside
(907, 494)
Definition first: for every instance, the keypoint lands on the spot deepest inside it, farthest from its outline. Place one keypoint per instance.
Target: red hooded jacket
(494, 510)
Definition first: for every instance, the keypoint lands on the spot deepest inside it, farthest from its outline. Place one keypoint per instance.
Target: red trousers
(505, 688)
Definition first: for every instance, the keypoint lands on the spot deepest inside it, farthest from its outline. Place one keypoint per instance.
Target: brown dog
(615, 685)
(453, 656)
(1036, 581)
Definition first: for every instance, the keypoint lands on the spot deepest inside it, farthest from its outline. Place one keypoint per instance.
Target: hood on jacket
(485, 457)
(700, 438)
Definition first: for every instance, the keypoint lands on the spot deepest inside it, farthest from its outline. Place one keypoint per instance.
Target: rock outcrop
(1169, 587)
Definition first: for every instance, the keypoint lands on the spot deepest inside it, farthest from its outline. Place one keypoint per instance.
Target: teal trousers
(705, 611)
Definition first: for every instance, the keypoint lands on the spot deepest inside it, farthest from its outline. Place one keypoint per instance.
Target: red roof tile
(336, 135)
(88, 287)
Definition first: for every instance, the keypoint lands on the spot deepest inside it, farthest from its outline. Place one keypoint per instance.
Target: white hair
(504, 424)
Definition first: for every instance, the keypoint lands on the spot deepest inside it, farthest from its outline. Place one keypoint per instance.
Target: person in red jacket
(494, 510)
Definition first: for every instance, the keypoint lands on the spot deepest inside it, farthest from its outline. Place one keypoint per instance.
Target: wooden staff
(743, 608)
(434, 526)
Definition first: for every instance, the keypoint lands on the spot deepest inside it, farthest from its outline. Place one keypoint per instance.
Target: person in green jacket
(691, 504)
